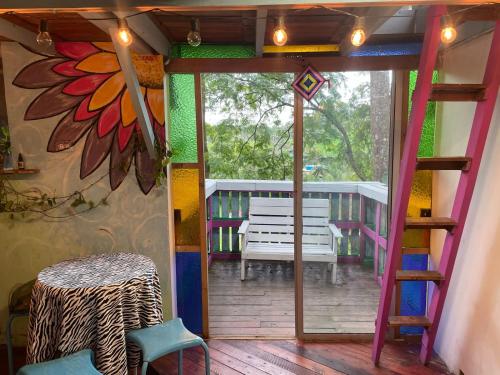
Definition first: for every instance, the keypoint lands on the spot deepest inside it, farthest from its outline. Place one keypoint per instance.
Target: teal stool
(80, 363)
(165, 338)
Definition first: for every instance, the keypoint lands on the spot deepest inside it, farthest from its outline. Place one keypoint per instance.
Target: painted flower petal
(39, 74)
(67, 132)
(107, 92)
(85, 85)
(127, 109)
(124, 135)
(95, 151)
(109, 117)
(67, 69)
(82, 112)
(75, 50)
(51, 102)
(119, 163)
(160, 133)
(102, 62)
(105, 46)
(145, 170)
(155, 102)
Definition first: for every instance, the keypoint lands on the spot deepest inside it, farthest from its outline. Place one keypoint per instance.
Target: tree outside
(249, 127)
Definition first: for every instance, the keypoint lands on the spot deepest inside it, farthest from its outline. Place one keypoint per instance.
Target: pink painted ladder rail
(485, 94)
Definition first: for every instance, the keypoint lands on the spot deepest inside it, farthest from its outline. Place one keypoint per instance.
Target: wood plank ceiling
(314, 25)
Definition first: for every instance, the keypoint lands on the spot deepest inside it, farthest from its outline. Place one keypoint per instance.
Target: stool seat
(80, 363)
(164, 338)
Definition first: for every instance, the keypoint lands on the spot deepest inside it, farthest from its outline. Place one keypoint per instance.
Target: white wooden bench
(268, 234)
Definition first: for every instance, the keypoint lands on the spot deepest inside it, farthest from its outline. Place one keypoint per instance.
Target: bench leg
(334, 273)
(243, 269)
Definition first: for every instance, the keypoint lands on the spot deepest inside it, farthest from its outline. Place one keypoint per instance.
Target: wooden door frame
(197, 67)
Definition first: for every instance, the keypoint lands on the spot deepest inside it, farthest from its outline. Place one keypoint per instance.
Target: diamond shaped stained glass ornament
(308, 83)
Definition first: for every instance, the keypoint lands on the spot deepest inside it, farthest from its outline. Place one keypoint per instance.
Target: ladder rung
(457, 92)
(416, 250)
(419, 275)
(430, 223)
(444, 163)
(418, 321)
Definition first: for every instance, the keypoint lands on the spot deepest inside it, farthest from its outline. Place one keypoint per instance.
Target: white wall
(131, 222)
(469, 333)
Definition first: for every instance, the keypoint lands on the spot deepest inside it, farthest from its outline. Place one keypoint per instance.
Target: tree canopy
(249, 127)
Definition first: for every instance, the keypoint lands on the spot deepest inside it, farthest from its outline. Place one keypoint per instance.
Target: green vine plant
(33, 203)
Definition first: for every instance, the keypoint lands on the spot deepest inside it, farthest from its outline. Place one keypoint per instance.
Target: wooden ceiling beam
(290, 65)
(374, 18)
(104, 21)
(134, 88)
(260, 31)
(23, 36)
(148, 30)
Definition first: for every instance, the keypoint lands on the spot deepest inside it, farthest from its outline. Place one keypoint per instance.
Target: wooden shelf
(430, 223)
(419, 275)
(410, 321)
(446, 163)
(457, 92)
(19, 172)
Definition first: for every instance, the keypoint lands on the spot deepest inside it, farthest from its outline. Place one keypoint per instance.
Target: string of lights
(280, 36)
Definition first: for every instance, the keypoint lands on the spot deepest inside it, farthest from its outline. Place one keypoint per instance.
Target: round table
(92, 303)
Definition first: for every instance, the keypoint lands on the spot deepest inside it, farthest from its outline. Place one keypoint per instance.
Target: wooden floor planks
(285, 357)
(263, 304)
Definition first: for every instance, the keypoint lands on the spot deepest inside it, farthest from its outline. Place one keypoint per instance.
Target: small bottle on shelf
(20, 162)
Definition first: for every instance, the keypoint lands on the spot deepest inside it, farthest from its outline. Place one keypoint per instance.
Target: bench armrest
(243, 227)
(335, 231)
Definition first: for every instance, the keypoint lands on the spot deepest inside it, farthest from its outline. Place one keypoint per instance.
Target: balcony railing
(358, 209)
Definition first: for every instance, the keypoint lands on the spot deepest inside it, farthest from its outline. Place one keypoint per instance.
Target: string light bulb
(448, 31)
(280, 36)
(194, 36)
(43, 37)
(358, 35)
(124, 35)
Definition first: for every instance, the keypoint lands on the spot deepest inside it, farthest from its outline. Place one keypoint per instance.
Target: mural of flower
(85, 82)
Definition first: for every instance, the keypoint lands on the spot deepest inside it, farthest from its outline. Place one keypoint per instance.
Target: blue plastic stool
(165, 338)
(80, 363)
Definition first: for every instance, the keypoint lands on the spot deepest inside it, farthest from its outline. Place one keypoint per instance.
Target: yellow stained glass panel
(185, 197)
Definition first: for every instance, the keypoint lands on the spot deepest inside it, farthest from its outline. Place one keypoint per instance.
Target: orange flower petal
(155, 101)
(102, 62)
(127, 109)
(107, 92)
(105, 46)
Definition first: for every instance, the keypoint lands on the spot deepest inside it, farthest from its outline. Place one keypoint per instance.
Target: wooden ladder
(485, 94)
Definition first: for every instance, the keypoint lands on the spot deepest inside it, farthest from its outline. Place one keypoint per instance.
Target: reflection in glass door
(345, 152)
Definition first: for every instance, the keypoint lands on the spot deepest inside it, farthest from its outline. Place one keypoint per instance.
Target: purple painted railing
(358, 209)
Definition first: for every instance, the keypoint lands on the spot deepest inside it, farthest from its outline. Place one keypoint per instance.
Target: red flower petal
(124, 135)
(67, 69)
(95, 152)
(159, 132)
(85, 85)
(82, 113)
(75, 50)
(110, 116)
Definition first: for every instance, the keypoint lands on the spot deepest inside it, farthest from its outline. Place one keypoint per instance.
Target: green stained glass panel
(183, 119)
(213, 51)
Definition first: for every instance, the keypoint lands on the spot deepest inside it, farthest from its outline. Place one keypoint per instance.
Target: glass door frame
(398, 121)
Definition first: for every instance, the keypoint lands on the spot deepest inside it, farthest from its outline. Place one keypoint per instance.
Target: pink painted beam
(377, 235)
(475, 148)
(362, 212)
(408, 165)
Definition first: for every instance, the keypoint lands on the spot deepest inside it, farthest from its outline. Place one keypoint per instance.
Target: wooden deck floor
(263, 304)
(284, 357)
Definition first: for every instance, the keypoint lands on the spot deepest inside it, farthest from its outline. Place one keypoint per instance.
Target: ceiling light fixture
(448, 31)
(194, 36)
(43, 37)
(280, 36)
(358, 35)
(124, 35)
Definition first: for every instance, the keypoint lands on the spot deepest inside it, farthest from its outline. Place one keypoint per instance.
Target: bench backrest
(271, 220)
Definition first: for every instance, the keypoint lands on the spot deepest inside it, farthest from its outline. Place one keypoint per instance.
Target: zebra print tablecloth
(92, 303)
